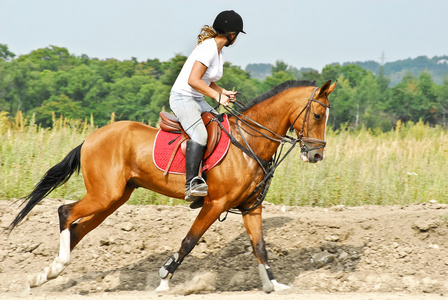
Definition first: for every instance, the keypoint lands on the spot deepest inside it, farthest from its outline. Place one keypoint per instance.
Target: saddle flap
(213, 131)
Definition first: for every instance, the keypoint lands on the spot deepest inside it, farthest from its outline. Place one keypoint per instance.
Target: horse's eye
(317, 116)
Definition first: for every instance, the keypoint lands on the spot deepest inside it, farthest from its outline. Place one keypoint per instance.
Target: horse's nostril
(317, 156)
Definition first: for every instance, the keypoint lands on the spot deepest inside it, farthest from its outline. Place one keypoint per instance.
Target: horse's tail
(55, 177)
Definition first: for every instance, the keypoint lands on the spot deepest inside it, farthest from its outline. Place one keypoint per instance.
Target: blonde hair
(206, 33)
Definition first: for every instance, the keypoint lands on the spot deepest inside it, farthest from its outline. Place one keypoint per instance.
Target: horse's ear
(327, 88)
(324, 88)
(331, 88)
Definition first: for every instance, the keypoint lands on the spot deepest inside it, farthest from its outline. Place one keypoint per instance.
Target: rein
(269, 167)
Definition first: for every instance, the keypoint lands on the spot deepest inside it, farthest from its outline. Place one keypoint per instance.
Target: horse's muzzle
(311, 157)
(314, 158)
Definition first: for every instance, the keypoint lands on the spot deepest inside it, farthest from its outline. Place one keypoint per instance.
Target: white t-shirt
(207, 54)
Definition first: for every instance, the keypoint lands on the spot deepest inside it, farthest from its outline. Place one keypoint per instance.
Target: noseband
(306, 120)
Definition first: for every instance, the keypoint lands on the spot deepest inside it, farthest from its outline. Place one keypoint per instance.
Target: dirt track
(370, 252)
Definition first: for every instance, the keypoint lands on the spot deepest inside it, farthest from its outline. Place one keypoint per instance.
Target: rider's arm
(212, 91)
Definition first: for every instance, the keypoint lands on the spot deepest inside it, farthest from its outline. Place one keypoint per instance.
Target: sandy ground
(369, 252)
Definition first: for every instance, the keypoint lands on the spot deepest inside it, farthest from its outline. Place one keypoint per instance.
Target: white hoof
(57, 267)
(38, 279)
(279, 287)
(164, 285)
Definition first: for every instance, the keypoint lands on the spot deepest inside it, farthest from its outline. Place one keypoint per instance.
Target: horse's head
(310, 123)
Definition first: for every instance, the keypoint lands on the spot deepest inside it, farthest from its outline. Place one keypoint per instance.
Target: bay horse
(117, 158)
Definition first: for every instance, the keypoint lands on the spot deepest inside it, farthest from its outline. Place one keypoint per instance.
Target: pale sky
(311, 33)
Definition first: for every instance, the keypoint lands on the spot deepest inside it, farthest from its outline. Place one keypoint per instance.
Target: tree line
(51, 81)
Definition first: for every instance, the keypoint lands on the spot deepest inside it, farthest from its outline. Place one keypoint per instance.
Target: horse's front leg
(253, 223)
(206, 217)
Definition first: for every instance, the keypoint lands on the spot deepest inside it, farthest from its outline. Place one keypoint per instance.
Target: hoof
(279, 287)
(38, 280)
(164, 286)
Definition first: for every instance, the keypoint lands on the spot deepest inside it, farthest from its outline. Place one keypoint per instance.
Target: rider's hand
(227, 97)
(230, 94)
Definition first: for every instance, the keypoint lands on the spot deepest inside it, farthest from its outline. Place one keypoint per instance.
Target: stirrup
(198, 188)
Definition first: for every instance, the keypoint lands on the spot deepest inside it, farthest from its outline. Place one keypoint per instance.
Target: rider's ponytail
(206, 33)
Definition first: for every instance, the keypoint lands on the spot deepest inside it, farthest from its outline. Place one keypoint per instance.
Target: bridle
(306, 119)
(269, 167)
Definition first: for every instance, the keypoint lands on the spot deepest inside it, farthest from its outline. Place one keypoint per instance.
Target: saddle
(170, 123)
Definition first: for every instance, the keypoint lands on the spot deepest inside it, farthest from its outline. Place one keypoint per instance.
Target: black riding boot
(195, 185)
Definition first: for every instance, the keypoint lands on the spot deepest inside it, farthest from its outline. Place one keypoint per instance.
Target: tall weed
(407, 165)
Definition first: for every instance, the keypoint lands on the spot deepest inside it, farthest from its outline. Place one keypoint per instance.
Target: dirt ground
(369, 252)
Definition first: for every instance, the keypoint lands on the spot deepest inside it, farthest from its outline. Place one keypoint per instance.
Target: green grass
(409, 165)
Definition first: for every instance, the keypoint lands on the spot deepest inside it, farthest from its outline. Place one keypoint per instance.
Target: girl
(197, 79)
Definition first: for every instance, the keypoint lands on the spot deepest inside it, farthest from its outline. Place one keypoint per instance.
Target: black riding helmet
(228, 21)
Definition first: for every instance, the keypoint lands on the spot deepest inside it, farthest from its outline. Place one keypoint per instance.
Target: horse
(117, 158)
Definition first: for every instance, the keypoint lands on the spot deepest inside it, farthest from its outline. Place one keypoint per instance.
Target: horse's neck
(273, 114)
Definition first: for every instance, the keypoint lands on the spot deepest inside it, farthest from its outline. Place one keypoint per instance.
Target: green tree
(112, 69)
(5, 54)
(156, 67)
(5, 86)
(383, 81)
(341, 102)
(59, 105)
(128, 97)
(233, 77)
(425, 106)
(402, 96)
(280, 66)
(314, 75)
(331, 72)
(51, 58)
(21, 73)
(78, 82)
(171, 69)
(276, 79)
(366, 102)
(442, 103)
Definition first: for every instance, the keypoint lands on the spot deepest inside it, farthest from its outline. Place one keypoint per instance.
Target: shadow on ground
(234, 265)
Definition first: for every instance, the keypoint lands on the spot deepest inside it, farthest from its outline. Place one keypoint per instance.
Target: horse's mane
(276, 90)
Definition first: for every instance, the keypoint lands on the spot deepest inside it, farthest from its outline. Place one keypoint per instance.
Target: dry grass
(406, 166)
(409, 165)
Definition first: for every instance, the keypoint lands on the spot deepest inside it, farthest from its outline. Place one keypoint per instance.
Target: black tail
(55, 177)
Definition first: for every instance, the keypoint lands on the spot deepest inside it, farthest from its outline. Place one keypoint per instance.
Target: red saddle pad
(163, 150)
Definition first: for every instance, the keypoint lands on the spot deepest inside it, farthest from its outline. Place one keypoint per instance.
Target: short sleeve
(204, 53)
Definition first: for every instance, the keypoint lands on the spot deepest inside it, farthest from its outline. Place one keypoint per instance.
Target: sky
(303, 34)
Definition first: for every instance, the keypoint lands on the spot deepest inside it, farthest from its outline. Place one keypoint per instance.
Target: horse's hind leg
(79, 229)
(89, 212)
(63, 257)
(253, 224)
